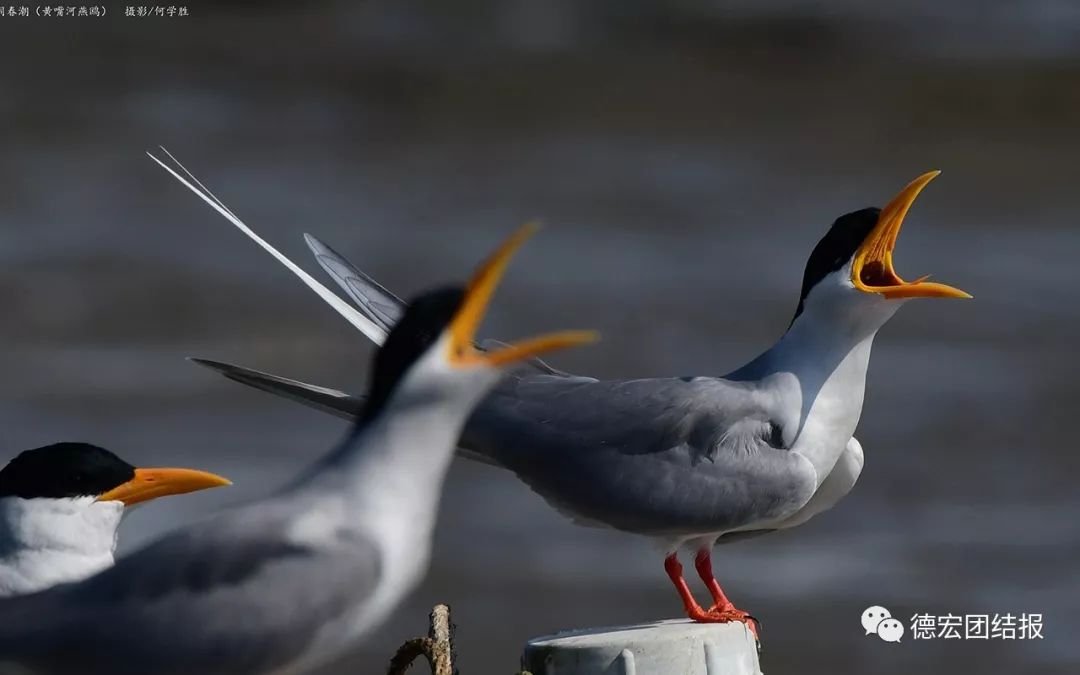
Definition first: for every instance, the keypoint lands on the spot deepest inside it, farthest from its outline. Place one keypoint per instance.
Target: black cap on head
(836, 248)
(425, 319)
(63, 470)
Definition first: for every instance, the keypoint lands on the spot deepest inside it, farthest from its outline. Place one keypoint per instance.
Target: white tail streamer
(373, 332)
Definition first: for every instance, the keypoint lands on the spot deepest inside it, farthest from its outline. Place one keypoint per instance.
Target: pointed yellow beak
(153, 483)
(477, 295)
(872, 269)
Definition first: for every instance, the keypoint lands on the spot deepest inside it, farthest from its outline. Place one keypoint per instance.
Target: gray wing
(374, 301)
(664, 457)
(667, 457)
(321, 398)
(231, 596)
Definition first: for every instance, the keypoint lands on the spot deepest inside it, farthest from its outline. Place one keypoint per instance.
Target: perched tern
(689, 461)
(60, 507)
(291, 581)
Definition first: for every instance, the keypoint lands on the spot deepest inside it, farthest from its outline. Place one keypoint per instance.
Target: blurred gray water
(685, 160)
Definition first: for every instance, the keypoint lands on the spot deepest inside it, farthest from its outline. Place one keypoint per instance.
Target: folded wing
(668, 457)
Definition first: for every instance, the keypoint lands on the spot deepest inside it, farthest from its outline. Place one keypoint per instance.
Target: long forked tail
(379, 309)
(371, 329)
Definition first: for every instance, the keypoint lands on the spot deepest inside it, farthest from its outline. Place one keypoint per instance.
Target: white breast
(45, 542)
(835, 487)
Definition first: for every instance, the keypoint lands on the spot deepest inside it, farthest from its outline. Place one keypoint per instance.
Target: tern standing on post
(689, 461)
(291, 581)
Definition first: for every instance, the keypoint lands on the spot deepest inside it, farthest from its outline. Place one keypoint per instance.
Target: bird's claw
(728, 614)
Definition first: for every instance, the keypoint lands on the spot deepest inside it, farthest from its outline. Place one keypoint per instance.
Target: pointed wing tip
(315, 244)
(216, 366)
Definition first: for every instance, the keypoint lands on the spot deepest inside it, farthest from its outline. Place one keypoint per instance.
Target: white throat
(44, 542)
(817, 370)
(393, 472)
(407, 449)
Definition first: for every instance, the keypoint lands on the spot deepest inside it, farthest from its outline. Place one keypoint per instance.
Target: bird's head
(432, 348)
(92, 475)
(850, 277)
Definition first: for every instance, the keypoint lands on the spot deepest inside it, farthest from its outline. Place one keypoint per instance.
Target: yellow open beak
(477, 295)
(153, 483)
(872, 269)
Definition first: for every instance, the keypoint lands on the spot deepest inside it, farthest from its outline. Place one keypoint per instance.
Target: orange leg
(674, 571)
(722, 607)
(703, 563)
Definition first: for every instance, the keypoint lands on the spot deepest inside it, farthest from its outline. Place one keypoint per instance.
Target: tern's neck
(44, 542)
(813, 344)
(394, 466)
(819, 369)
(406, 451)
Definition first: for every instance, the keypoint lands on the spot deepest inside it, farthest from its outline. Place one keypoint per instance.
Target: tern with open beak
(291, 581)
(689, 461)
(61, 505)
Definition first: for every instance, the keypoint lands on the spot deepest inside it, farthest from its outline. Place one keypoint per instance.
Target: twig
(437, 648)
(442, 633)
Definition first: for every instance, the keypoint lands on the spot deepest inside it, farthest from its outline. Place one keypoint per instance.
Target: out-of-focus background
(686, 156)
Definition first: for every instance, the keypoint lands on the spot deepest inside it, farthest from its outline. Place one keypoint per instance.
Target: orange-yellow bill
(153, 483)
(872, 269)
(477, 296)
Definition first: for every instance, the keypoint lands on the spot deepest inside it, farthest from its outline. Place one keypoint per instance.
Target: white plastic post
(679, 647)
